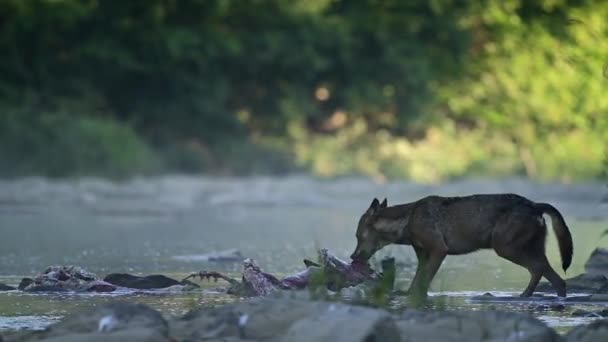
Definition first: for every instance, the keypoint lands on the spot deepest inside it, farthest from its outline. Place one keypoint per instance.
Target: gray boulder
(598, 262)
(594, 332)
(472, 326)
(286, 318)
(117, 321)
(344, 324)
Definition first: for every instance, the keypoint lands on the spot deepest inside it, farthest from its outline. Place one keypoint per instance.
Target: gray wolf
(437, 226)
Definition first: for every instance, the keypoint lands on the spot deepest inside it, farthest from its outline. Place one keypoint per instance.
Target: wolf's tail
(564, 238)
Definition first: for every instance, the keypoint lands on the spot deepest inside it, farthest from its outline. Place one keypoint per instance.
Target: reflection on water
(141, 226)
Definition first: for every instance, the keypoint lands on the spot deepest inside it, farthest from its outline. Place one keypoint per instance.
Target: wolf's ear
(374, 206)
(384, 204)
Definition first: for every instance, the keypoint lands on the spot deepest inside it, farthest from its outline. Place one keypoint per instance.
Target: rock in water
(598, 262)
(155, 281)
(473, 326)
(65, 278)
(4, 287)
(25, 282)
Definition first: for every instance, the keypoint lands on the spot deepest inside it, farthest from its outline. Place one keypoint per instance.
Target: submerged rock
(155, 281)
(4, 287)
(97, 286)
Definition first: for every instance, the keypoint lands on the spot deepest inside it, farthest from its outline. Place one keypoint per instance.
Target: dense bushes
(426, 90)
(62, 145)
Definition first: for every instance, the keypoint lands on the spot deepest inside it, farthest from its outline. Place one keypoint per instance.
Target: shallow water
(142, 225)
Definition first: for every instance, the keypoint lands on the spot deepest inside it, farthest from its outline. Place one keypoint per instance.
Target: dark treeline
(425, 90)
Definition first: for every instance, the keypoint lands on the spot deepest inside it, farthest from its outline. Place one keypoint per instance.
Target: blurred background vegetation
(422, 90)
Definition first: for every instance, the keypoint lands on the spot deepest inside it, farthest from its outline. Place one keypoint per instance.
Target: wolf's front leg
(415, 285)
(436, 257)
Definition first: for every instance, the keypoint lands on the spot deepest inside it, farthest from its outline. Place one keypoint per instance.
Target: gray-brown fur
(437, 226)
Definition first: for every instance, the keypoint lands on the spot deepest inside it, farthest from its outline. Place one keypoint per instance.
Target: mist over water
(148, 225)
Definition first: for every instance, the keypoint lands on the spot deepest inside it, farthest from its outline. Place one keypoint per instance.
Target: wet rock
(135, 335)
(594, 332)
(344, 323)
(155, 281)
(283, 318)
(117, 321)
(65, 278)
(472, 326)
(598, 262)
(4, 287)
(24, 283)
(585, 283)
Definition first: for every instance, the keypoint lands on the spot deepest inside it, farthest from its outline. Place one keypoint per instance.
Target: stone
(116, 321)
(24, 283)
(4, 287)
(597, 262)
(155, 281)
(594, 332)
(344, 324)
(65, 278)
(472, 326)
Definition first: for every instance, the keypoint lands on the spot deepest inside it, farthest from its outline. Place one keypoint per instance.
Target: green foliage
(80, 146)
(427, 90)
(539, 81)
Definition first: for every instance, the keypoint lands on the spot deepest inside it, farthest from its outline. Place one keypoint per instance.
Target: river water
(143, 226)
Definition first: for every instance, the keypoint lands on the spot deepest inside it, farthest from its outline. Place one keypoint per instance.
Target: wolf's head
(369, 239)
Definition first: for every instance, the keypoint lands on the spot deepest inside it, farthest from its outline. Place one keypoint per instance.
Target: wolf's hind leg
(556, 281)
(535, 262)
(520, 238)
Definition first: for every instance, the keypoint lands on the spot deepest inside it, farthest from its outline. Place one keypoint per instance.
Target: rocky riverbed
(295, 317)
